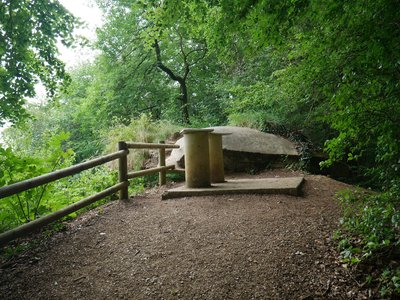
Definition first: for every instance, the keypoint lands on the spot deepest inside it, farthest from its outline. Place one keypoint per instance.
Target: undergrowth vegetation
(145, 130)
(36, 202)
(17, 166)
(32, 158)
(370, 238)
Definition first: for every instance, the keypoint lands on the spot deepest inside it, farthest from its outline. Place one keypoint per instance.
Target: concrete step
(287, 185)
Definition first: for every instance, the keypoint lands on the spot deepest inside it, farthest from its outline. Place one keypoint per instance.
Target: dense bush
(34, 203)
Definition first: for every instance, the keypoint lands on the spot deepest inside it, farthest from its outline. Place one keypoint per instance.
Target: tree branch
(163, 67)
(184, 56)
(200, 58)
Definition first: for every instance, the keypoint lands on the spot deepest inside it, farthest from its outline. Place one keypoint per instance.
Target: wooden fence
(121, 186)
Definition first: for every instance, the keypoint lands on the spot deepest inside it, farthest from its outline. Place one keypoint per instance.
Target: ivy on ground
(370, 239)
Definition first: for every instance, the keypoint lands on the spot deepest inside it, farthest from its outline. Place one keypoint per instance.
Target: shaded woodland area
(324, 73)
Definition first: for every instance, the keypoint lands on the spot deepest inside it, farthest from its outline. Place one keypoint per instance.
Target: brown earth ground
(225, 247)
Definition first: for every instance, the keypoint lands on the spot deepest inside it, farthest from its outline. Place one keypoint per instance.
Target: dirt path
(226, 247)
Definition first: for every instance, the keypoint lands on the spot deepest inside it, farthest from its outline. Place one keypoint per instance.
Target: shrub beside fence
(121, 186)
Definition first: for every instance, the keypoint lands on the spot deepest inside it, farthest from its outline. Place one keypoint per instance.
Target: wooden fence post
(162, 177)
(123, 171)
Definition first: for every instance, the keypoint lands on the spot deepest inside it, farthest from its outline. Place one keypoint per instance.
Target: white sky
(89, 13)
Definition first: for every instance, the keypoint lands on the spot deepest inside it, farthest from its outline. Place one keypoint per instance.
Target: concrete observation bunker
(204, 164)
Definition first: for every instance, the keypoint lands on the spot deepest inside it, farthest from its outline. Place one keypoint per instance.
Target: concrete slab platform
(287, 185)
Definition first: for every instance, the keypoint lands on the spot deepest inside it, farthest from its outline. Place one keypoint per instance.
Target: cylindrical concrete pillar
(197, 159)
(217, 173)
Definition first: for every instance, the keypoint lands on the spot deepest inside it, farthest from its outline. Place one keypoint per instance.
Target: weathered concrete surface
(254, 141)
(288, 186)
(177, 156)
(244, 149)
(197, 172)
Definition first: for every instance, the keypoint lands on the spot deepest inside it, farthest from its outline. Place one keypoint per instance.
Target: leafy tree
(80, 110)
(181, 79)
(146, 51)
(29, 32)
(72, 111)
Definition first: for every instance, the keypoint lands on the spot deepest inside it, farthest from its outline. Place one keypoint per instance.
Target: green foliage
(33, 136)
(31, 204)
(365, 106)
(29, 33)
(371, 236)
(34, 203)
(72, 112)
(178, 83)
(81, 111)
(82, 185)
(143, 130)
(37, 151)
(249, 119)
(176, 177)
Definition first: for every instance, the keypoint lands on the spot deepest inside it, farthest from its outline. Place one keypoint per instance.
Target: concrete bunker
(245, 149)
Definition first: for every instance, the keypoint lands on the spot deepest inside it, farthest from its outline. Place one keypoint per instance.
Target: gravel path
(225, 247)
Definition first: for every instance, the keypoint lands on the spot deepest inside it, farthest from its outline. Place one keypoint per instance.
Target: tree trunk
(184, 103)
(184, 98)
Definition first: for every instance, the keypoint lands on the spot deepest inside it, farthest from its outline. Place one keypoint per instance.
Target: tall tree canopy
(157, 60)
(29, 32)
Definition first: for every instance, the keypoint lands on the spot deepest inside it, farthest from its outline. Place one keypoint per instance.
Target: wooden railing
(121, 186)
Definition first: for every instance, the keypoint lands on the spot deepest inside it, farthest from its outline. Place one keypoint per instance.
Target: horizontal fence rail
(151, 146)
(45, 220)
(149, 171)
(53, 176)
(122, 186)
